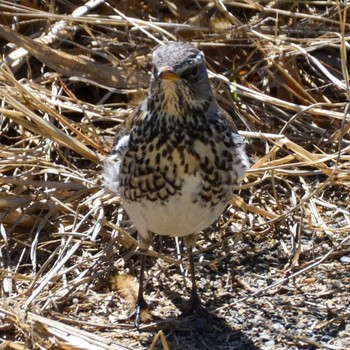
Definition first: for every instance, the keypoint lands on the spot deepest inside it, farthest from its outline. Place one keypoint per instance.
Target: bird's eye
(191, 73)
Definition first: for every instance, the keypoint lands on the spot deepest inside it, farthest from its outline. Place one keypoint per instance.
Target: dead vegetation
(275, 267)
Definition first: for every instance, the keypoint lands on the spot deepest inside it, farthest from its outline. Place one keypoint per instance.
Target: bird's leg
(144, 242)
(140, 301)
(195, 305)
(195, 301)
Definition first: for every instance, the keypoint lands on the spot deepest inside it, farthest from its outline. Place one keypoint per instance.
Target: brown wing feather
(125, 128)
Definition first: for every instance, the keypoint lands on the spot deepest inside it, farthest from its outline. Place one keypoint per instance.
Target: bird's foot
(140, 306)
(195, 307)
(200, 318)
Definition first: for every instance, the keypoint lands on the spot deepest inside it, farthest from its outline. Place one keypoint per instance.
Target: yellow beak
(166, 74)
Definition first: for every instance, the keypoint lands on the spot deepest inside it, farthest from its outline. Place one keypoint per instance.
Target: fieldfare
(177, 158)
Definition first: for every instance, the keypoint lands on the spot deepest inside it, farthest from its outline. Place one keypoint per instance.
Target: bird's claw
(140, 305)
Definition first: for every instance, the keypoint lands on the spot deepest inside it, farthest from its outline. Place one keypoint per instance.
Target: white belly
(179, 216)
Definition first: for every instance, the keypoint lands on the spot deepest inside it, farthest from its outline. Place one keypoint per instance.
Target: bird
(177, 159)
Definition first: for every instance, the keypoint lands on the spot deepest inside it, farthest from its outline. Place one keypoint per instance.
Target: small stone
(270, 344)
(345, 259)
(264, 337)
(278, 326)
(257, 318)
(321, 276)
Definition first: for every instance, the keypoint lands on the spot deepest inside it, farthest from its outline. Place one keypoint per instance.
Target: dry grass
(275, 266)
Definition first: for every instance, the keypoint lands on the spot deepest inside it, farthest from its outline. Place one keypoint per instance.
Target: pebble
(345, 259)
(257, 318)
(278, 326)
(264, 337)
(321, 276)
(270, 344)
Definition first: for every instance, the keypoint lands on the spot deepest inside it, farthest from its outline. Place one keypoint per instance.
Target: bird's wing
(125, 128)
(228, 120)
(111, 166)
(237, 140)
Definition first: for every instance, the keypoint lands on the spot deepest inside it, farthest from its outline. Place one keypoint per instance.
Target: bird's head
(180, 85)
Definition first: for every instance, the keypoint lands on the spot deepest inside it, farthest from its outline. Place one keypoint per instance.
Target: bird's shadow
(203, 330)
